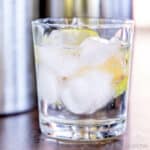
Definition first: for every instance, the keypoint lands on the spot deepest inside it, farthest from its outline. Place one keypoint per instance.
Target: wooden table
(21, 132)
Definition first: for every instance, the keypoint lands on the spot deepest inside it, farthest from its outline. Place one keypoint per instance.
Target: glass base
(89, 131)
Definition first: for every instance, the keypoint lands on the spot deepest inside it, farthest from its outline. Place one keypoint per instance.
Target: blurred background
(117, 9)
(87, 8)
(17, 73)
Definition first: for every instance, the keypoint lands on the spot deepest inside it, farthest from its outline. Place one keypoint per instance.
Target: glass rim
(73, 22)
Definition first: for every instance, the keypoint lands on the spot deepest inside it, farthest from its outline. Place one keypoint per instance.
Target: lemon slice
(76, 36)
(114, 66)
(121, 86)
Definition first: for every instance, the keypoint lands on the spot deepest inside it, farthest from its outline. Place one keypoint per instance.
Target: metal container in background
(17, 82)
(57, 8)
(117, 9)
(114, 9)
(71, 8)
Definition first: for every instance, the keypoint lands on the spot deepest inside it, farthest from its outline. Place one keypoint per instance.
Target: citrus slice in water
(76, 36)
(114, 66)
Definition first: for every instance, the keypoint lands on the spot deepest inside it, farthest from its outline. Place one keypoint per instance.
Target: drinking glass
(83, 77)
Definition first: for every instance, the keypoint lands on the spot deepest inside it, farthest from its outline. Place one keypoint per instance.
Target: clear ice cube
(57, 60)
(48, 85)
(95, 50)
(88, 93)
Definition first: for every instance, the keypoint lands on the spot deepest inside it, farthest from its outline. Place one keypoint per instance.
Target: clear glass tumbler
(83, 70)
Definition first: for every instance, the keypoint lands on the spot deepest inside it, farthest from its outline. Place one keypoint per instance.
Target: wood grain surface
(21, 132)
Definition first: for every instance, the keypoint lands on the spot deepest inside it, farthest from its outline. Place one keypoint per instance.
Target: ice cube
(70, 37)
(53, 39)
(62, 63)
(48, 87)
(88, 93)
(96, 50)
(69, 65)
(57, 38)
(49, 56)
(62, 39)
